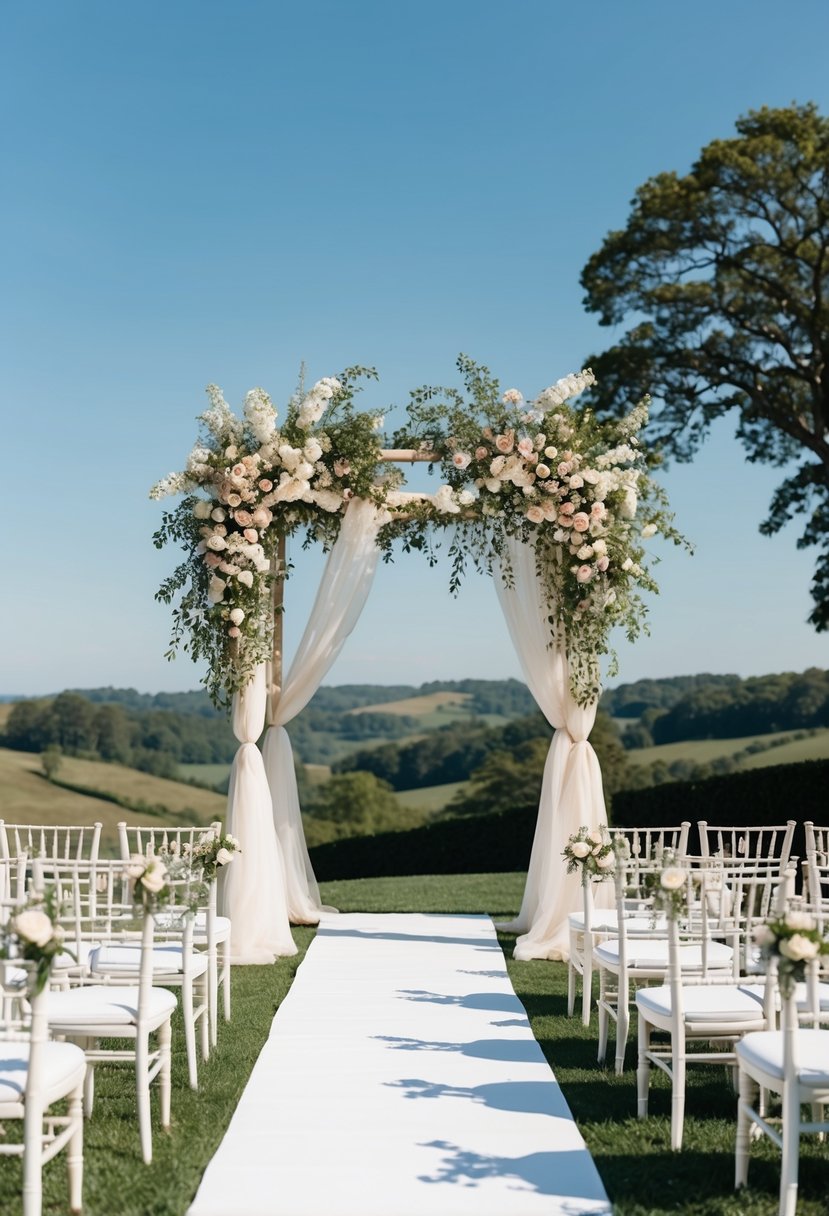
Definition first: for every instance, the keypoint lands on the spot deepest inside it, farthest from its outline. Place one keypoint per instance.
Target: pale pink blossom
(461, 459)
(212, 560)
(243, 518)
(238, 470)
(505, 443)
(603, 562)
(233, 499)
(584, 574)
(541, 470)
(512, 397)
(567, 508)
(234, 631)
(266, 485)
(581, 521)
(251, 535)
(564, 468)
(564, 521)
(525, 447)
(535, 515)
(261, 517)
(341, 468)
(481, 453)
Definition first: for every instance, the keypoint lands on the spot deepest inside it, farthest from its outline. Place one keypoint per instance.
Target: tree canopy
(723, 275)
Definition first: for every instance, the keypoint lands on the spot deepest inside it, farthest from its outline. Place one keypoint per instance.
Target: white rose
(595, 837)
(134, 868)
(216, 589)
(797, 947)
(672, 879)
(605, 863)
(202, 509)
(799, 920)
(34, 927)
(223, 857)
(216, 543)
(219, 514)
(312, 450)
(763, 935)
(236, 616)
(245, 577)
(154, 877)
(580, 848)
(648, 530)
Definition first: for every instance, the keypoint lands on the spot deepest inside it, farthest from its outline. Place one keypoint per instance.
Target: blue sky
(203, 191)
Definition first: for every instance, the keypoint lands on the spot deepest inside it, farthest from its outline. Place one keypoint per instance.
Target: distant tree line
(728, 710)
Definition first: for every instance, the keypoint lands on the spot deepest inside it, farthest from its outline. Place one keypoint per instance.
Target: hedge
(758, 797)
(500, 843)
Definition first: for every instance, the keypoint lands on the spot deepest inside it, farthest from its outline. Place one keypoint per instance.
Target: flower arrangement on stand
(667, 889)
(591, 852)
(793, 940)
(35, 935)
(576, 487)
(246, 483)
(148, 878)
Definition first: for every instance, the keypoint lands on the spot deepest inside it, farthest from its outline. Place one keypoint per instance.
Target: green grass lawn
(642, 1176)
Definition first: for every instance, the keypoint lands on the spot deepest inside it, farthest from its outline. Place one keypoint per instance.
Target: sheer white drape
(252, 889)
(342, 594)
(571, 791)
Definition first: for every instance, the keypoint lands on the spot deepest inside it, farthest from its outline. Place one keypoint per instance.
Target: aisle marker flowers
(793, 939)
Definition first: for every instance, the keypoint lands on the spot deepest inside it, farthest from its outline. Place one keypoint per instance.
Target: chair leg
(213, 994)
(32, 1158)
(165, 1034)
(205, 1021)
(748, 1092)
(603, 1017)
(225, 976)
(89, 1090)
(643, 1068)
(189, 1034)
(678, 1068)
(622, 1026)
(142, 1089)
(74, 1157)
(791, 1150)
(586, 980)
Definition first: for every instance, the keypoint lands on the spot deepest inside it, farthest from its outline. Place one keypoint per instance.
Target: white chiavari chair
(211, 932)
(35, 1074)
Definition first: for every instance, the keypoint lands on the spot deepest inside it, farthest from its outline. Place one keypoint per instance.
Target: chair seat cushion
(75, 956)
(758, 993)
(102, 1005)
(651, 954)
(113, 959)
(708, 1003)
(762, 1051)
(63, 1064)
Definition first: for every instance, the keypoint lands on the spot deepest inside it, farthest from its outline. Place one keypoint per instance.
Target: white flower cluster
(315, 403)
(564, 389)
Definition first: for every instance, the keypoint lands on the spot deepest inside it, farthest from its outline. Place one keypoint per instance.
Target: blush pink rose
(581, 521)
(234, 631)
(212, 560)
(567, 508)
(341, 468)
(233, 500)
(251, 535)
(481, 453)
(564, 521)
(243, 518)
(261, 517)
(238, 470)
(505, 443)
(584, 574)
(266, 485)
(603, 563)
(535, 515)
(525, 447)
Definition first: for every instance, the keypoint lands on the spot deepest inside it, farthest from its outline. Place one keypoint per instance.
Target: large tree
(723, 275)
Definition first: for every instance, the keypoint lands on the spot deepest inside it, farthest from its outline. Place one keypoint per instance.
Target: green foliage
(761, 704)
(724, 274)
(50, 761)
(360, 800)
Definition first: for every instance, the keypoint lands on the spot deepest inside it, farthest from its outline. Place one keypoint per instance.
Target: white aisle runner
(400, 1078)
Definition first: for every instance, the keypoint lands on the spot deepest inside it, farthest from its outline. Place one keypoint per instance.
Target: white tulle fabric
(342, 594)
(252, 890)
(571, 791)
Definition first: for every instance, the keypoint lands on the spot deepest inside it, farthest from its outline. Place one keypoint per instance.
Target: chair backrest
(80, 842)
(158, 840)
(817, 859)
(651, 843)
(747, 842)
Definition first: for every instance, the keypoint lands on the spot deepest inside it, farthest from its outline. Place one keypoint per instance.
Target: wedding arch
(554, 502)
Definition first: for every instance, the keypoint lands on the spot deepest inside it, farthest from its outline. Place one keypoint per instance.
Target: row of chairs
(698, 980)
(112, 989)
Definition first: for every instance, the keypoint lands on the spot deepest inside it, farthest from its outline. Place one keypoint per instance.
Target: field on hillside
(26, 797)
(703, 751)
(431, 798)
(415, 707)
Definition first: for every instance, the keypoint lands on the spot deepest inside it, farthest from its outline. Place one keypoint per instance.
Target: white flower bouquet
(213, 852)
(574, 486)
(35, 935)
(793, 939)
(245, 482)
(590, 851)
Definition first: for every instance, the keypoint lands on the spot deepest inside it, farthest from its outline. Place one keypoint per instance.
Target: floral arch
(554, 502)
